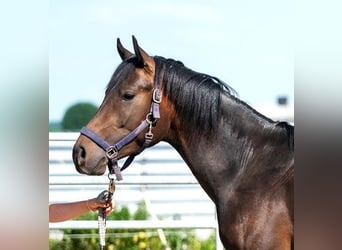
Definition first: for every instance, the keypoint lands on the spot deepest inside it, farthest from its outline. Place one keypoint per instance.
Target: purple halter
(113, 150)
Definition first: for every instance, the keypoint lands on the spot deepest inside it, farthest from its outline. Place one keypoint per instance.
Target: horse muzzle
(88, 158)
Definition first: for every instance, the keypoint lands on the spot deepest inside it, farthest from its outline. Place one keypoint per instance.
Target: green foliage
(208, 244)
(129, 239)
(55, 126)
(141, 213)
(77, 116)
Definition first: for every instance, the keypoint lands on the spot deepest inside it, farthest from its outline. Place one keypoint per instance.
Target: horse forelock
(195, 96)
(121, 73)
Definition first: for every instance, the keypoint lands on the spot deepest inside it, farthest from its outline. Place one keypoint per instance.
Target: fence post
(155, 218)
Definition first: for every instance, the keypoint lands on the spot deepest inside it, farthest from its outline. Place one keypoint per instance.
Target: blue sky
(248, 44)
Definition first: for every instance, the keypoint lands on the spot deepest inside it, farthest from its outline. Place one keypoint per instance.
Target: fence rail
(136, 224)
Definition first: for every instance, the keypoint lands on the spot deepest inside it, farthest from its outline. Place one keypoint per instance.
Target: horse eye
(128, 96)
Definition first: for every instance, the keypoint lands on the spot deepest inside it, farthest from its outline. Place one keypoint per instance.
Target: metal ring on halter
(111, 176)
(149, 118)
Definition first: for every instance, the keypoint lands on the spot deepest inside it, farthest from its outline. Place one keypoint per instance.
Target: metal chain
(103, 198)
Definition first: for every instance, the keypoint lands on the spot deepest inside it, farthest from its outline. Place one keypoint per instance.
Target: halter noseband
(113, 150)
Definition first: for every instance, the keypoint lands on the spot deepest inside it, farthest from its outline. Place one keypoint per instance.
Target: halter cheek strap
(113, 150)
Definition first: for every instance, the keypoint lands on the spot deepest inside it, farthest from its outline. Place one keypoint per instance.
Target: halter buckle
(148, 136)
(156, 96)
(112, 152)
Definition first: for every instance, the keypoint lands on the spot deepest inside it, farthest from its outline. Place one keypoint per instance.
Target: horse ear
(144, 60)
(124, 53)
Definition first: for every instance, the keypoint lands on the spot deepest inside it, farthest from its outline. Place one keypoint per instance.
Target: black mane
(197, 97)
(199, 101)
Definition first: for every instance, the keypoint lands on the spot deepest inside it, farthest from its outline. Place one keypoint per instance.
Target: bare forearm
(66, 211)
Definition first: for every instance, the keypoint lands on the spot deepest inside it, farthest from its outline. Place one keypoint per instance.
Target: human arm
(65, 211)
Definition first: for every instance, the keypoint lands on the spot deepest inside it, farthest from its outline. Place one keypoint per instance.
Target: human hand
(94, 204)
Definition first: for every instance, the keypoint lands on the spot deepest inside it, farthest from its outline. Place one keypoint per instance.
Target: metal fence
(158, 176)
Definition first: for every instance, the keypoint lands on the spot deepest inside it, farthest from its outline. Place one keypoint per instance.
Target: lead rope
(104, 197)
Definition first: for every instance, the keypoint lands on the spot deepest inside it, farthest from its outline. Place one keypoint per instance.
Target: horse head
(130, 108)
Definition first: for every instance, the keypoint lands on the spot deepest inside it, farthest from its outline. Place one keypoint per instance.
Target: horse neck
(244, 139)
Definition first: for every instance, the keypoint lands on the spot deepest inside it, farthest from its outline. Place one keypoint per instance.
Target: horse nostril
(81, 156)
(82, 153)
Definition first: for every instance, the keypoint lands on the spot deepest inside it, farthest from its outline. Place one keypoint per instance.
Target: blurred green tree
(77, 116)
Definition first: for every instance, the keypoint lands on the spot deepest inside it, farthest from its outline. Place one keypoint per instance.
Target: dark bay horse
(243, 160)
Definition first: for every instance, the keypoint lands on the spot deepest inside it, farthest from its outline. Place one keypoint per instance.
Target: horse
(243, 160)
